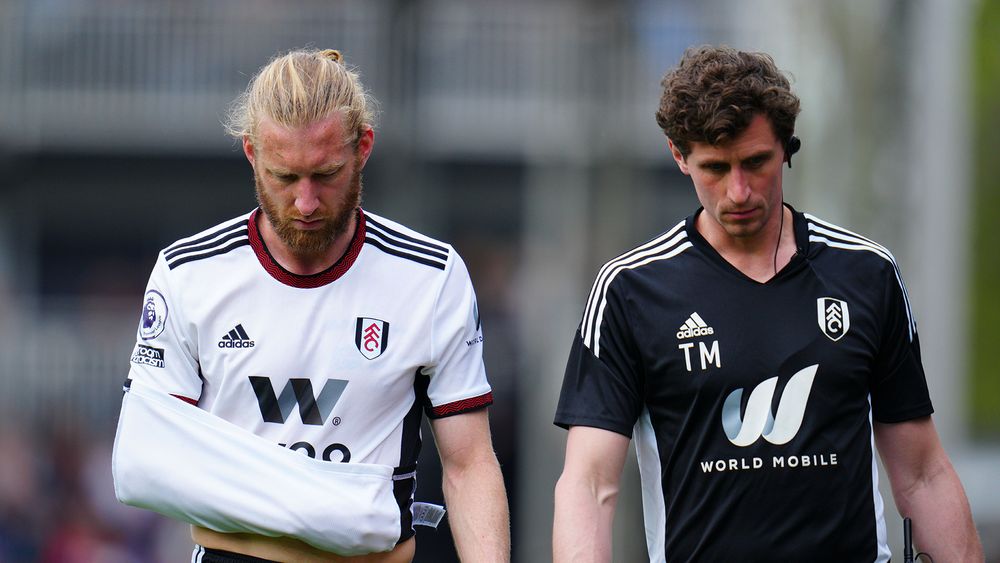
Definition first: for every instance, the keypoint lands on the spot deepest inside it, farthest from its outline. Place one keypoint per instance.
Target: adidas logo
(694, 326)
(237, 338)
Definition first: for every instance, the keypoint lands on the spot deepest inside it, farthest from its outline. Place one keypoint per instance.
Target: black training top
(751, 403)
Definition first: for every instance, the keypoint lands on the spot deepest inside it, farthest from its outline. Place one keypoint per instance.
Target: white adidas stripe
(843, 231)
(838, 237)
(601, 275)
(847, 242)
(603, 280)
(600, 311)
(599, 286)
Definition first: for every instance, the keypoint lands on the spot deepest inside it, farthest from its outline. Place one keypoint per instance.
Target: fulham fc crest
(371, 337)
(833, 317)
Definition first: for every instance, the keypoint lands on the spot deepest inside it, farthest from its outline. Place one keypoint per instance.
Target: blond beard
(314, 242)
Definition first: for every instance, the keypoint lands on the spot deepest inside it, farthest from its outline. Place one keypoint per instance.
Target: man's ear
(366, 142)
(248, 150)
(679, 158)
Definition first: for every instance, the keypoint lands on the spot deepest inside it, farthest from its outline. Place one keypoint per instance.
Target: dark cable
(781, 227)
(907, 541)
(908, 556)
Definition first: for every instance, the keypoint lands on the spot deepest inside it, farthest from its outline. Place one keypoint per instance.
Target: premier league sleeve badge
(154, 315)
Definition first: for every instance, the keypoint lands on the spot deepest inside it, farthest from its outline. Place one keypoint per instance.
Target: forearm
(477, 510)
(582, 522)
(166, 459)
(942, 520)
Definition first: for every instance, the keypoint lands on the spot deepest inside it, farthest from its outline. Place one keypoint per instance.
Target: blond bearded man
(285, 358)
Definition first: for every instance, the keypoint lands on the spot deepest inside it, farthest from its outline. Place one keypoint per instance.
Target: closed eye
(715, 167)
(284, 178)
(757, 160)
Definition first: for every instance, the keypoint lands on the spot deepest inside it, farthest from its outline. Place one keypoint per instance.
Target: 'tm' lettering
(708, 356)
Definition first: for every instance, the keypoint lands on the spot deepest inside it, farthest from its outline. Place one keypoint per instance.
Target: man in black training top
(757, 354)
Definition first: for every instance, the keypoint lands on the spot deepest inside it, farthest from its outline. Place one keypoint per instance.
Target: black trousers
(208, 555)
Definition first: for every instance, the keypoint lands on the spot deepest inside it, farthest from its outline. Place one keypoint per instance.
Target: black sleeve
(898, 385)
(603, 389)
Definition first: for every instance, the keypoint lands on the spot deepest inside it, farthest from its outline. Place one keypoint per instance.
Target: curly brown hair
(714, 93)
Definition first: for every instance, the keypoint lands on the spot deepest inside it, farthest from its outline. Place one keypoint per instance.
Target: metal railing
(560, 78)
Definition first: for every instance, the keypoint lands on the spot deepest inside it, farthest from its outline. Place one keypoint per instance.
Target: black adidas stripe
(170, 254)
(387, 231)
(225, 228)
(222, 250)
(388, 240)
(397, 252)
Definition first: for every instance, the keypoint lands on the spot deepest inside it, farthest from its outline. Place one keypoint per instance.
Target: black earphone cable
(781, 227)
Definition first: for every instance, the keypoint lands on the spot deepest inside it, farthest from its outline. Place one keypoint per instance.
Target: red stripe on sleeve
(465, 405)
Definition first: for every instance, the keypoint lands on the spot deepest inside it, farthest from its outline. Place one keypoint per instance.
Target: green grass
(985, 291)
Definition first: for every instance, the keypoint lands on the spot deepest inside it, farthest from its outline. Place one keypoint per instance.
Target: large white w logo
(313, 410)
(758, 420)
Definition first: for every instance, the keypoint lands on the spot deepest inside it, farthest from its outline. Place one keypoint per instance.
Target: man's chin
(310, 248)
(307, 241)
(743, 230)
(311, 240)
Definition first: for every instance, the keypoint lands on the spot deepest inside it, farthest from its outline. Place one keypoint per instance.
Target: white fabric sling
(182, 462)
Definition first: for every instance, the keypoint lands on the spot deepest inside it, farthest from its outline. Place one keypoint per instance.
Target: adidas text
(236, 344)
(691, 333)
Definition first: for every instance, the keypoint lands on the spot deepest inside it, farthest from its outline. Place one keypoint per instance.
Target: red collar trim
(328, 275)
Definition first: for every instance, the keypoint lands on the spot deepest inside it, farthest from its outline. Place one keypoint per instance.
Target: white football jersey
(339, 365)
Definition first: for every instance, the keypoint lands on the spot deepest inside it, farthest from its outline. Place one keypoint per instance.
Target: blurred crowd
(57, 505)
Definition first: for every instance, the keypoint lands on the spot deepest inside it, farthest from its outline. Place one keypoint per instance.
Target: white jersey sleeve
(457, 381)
(165, 353)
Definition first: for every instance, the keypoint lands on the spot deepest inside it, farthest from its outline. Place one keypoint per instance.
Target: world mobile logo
(758, 421)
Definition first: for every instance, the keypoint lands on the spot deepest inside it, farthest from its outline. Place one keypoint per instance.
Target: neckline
(800, 229)
(319, 279)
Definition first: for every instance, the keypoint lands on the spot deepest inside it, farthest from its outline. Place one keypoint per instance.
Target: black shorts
(209, 555)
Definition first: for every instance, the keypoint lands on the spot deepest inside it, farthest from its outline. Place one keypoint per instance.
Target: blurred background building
(520, 131)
